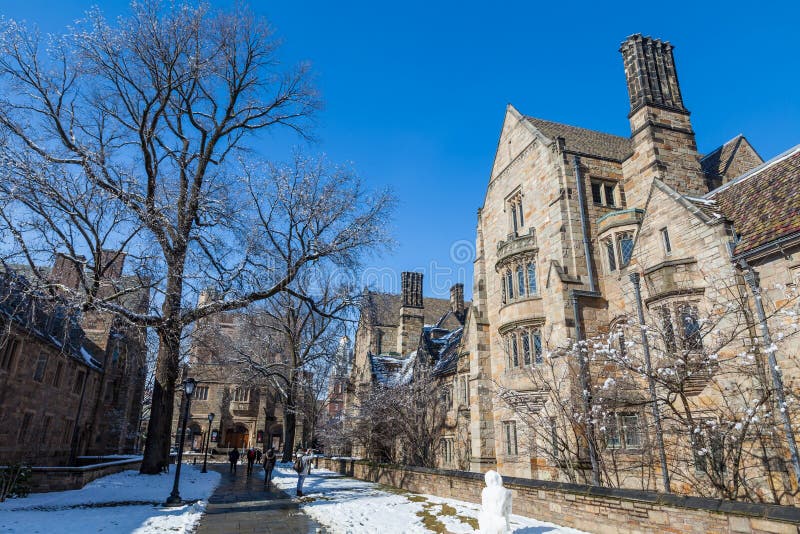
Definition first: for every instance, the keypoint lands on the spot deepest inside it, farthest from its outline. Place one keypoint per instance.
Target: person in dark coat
(233, 458)
(251, 459)
(269, 464)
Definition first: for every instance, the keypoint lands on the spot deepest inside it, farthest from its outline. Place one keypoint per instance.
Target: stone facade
(569, 214)
(71, 384)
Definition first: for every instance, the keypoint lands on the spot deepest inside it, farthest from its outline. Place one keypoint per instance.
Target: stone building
(247, 413)
(395, 334)
(71, 383)
(570, 213)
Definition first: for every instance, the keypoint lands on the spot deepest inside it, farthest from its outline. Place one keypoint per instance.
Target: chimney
(662, 137)
(412, 289)
(67, 271)
(111, 262)
(412, 316)
(457, 299)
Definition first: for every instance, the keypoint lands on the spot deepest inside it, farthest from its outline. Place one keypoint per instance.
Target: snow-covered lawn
(120, 503)
(352, 506)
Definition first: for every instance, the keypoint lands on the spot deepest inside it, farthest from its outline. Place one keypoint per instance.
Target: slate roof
(585, 141)
(384, 308)
(764, 203)
(53, 321)
(390, 370)
(729, 160)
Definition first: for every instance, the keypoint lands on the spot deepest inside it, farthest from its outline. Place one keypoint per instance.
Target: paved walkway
(241, 504)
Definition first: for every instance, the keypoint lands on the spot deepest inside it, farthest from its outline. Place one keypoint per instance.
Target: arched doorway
(237, 437)
(194, 437)
(275, 437)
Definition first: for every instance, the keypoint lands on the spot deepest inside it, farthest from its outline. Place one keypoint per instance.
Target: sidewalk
(241, 504)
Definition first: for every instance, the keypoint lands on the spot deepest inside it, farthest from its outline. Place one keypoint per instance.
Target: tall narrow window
(692, 340)
(521, 216)
(532, 285)
(514, 351)
(510, 284)
(625, 248)
(46, 423)
(25, 427)
(597, 192)
(612, 261)
(537, 348)
(608, 190)
(9, 351)
(668, 329)
(520, 282)
(665, 241)
(612, 432)
(57, 374)
(526, 348)
(503, 290)
(41, 367)
(78, 385)
(631, 430)
(514, 222)
(510, 435)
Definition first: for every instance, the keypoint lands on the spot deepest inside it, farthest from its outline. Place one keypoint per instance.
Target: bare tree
(145, 122)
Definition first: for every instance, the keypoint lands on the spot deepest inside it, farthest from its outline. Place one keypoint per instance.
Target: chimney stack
(662, 137)
(412, 289)
(67, 271)
(111, 263)
(457, 299)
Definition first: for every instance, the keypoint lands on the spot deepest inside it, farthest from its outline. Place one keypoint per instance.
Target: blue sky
(415, 91)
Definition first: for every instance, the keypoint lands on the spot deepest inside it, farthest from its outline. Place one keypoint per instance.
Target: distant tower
(412, 315)
(664, 146)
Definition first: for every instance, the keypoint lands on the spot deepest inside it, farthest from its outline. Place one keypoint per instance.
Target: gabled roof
(764, 203)
(583, 141)
(730, 160)
(390, 370)
(384, 308)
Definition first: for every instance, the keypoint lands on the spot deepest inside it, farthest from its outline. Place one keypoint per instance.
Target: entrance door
(239, 437)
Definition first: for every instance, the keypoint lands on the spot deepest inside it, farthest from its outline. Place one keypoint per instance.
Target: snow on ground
(353, 506)
(125, 502)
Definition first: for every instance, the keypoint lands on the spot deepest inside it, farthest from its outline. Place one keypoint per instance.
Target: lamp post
(208, 442)
(174, 498)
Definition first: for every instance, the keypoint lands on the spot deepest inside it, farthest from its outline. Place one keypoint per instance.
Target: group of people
(302, 464)
(253, 456)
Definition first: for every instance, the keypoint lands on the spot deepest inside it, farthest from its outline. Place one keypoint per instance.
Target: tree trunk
(156, 452)
(289, 420)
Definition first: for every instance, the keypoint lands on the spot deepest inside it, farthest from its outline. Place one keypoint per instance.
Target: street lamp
(174, 498)
(208, 442)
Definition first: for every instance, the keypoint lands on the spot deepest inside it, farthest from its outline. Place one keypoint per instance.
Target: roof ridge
(752, 172)
(529, 117)
(737, 137)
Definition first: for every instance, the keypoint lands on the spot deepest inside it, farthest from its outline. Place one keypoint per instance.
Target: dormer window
(514, 207)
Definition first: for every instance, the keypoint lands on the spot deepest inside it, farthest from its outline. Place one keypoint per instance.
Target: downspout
(777, 375)
(587, 246)
(583, 361)
(651, 383)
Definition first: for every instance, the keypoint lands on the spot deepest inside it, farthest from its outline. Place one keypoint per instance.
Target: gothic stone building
(570, 213)
(397, 332)
(245, 414)
(71, 383)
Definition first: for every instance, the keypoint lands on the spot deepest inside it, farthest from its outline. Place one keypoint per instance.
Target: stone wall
(589, 508)
(46, 479)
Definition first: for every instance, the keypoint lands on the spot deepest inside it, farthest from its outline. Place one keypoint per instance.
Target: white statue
(495, 506)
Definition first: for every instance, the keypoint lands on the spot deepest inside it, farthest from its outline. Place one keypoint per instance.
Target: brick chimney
(67, 271)
(111, 263)
(664, 145)
(412, 315)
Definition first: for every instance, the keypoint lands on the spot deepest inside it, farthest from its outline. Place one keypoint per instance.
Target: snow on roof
(392, 370)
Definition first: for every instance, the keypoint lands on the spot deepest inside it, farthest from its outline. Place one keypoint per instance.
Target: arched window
(520, 282)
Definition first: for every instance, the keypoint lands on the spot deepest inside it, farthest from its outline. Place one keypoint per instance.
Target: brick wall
(593, 509)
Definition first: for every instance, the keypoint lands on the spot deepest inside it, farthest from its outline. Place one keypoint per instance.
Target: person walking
(233, 458)
(303, 467)
(269, 464)
(251, 459)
